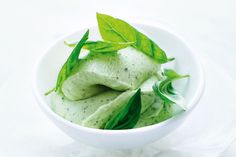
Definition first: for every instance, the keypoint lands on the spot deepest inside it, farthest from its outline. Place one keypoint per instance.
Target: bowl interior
(185, 62)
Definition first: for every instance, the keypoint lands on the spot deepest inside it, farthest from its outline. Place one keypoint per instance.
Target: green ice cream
(102, 83)
(119, 84)
(124, 70)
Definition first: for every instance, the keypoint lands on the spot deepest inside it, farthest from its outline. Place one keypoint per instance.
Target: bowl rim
(193, 103)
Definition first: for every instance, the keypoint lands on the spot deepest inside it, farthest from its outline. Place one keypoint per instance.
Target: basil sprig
(71, 62)
(128, 116)
(165, 90)
(101, 46)
(116, 30)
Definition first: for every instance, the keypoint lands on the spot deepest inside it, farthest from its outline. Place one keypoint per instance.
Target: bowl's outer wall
(186, 63)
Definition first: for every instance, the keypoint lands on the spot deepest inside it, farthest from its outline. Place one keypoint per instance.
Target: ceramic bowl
(186, 62)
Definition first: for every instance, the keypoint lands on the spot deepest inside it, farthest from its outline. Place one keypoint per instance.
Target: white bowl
(186, 63)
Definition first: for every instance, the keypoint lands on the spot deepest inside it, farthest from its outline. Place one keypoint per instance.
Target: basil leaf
(71, 62)
(165, 90)
(116, 30)
(173, 102)
(101, 46)
(128, 116)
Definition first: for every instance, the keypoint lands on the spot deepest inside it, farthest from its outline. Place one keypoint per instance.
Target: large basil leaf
(71, 62)
(116, 30)
(128, 116)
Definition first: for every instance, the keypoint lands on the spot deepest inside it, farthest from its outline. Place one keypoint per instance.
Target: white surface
(28, 26)
(50, 64)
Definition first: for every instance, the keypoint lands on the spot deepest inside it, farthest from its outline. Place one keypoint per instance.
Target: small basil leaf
(71, 62)
(116, 30)
(128, 116)
(101, 46)
(165, 90)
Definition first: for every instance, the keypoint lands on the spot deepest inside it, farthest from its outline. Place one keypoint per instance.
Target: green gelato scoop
(125, 70)
(119, 84)
(103, 82)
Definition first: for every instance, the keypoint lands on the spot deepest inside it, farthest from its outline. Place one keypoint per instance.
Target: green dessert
(119, 83)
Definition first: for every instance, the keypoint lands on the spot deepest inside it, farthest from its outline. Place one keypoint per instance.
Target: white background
(27, 27)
